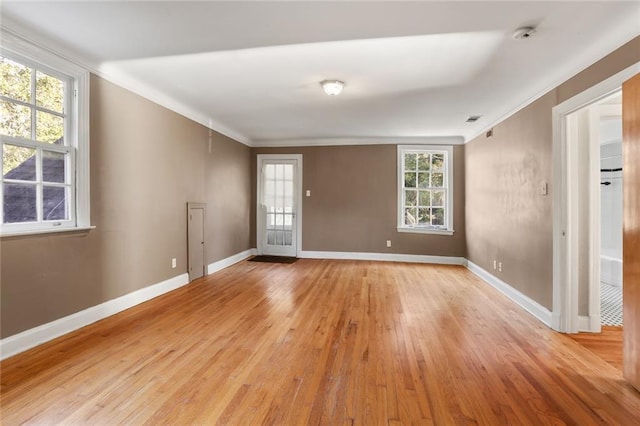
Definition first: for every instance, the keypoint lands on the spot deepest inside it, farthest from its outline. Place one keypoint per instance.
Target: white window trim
(77, 136)
(401, 227)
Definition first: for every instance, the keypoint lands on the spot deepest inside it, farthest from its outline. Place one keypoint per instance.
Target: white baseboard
(589, 324)
(221, 264)
(529, 305)
(28, 339)
(389, 257)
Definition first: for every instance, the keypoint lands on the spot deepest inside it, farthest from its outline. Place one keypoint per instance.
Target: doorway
(607, 115)
(577, 207)
(278, 215)
(196, 214)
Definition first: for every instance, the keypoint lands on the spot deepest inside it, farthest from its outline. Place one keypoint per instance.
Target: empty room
(320, 212)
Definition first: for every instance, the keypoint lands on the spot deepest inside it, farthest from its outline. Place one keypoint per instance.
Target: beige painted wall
(507, 218)
(146, 164)
(353, 203)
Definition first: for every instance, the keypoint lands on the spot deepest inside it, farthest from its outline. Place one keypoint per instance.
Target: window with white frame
(43, 113)
(425, 189)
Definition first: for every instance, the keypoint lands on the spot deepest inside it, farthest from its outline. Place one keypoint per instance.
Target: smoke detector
(523, 33)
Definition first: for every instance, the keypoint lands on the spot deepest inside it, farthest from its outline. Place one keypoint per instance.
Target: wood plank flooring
(607, 344)
(318, 342)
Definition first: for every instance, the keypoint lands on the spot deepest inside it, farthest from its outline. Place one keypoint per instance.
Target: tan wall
(146, 164)
(353, 203)
(507, 218)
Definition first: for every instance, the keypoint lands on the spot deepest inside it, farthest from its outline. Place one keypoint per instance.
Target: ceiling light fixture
(332, 87)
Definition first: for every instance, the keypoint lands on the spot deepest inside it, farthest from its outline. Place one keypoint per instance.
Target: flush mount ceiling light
(332, 87)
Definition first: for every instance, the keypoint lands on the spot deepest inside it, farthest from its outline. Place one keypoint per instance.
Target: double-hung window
(43, 113)
(425, 189)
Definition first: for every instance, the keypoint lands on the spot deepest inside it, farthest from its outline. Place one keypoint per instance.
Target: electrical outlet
(495, 264)
(388, 243)
(499, 266)
(174, 262)
(308, 193)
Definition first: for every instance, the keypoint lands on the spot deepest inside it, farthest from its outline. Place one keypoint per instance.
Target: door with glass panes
(277, 206)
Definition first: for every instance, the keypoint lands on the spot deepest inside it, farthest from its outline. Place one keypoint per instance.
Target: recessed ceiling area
(252, 70)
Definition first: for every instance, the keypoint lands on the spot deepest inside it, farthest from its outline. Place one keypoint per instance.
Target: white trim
(409, 140)
(419, 230)
(448, 181)
(565, 241)
(589, 324)
(590, 58)
(385, 257)
(28, 339)
(76, 127)
(298, 188)
(231, 260)
(47, 231)
(534, 308)
(141, 88)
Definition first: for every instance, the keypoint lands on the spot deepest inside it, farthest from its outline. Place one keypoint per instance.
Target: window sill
(46, 231)
(425, 230)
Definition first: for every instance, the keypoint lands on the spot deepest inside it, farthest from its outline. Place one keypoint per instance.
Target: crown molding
(626, 32)
(12, 29)
(428, 140)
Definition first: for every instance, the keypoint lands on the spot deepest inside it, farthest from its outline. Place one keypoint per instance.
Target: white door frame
(565, 316)
(297, 191)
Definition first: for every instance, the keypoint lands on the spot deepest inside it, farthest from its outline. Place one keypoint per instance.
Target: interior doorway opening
(583, 145)
(595, 132)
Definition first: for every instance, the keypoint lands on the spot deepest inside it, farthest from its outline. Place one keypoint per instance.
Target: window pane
(271, 221)
(288, 171)
(53, 167)
(437, 217)
(410, 161)
(49, 92)
(423, 161)
(16, 80)
(18, 162)
(269, 171)
(288, 221)
(425, 198)
(19, 203)
(410, 216)
(15, 120)
(437, 160)
(437, 180)
(49, 128)
(271, 238)
(423, 216)
(409, 180)
(423, 180)
(288, 189)
(54, 203)
(410, 198)
(438, 198)
(279, 171)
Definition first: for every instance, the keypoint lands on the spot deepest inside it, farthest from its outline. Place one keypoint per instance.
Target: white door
(195, 237)
(278, 217)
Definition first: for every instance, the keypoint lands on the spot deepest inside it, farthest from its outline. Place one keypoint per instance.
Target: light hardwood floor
(319, 342)
(606, 344)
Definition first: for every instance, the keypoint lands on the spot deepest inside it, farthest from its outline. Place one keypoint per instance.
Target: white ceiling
(251, 70)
